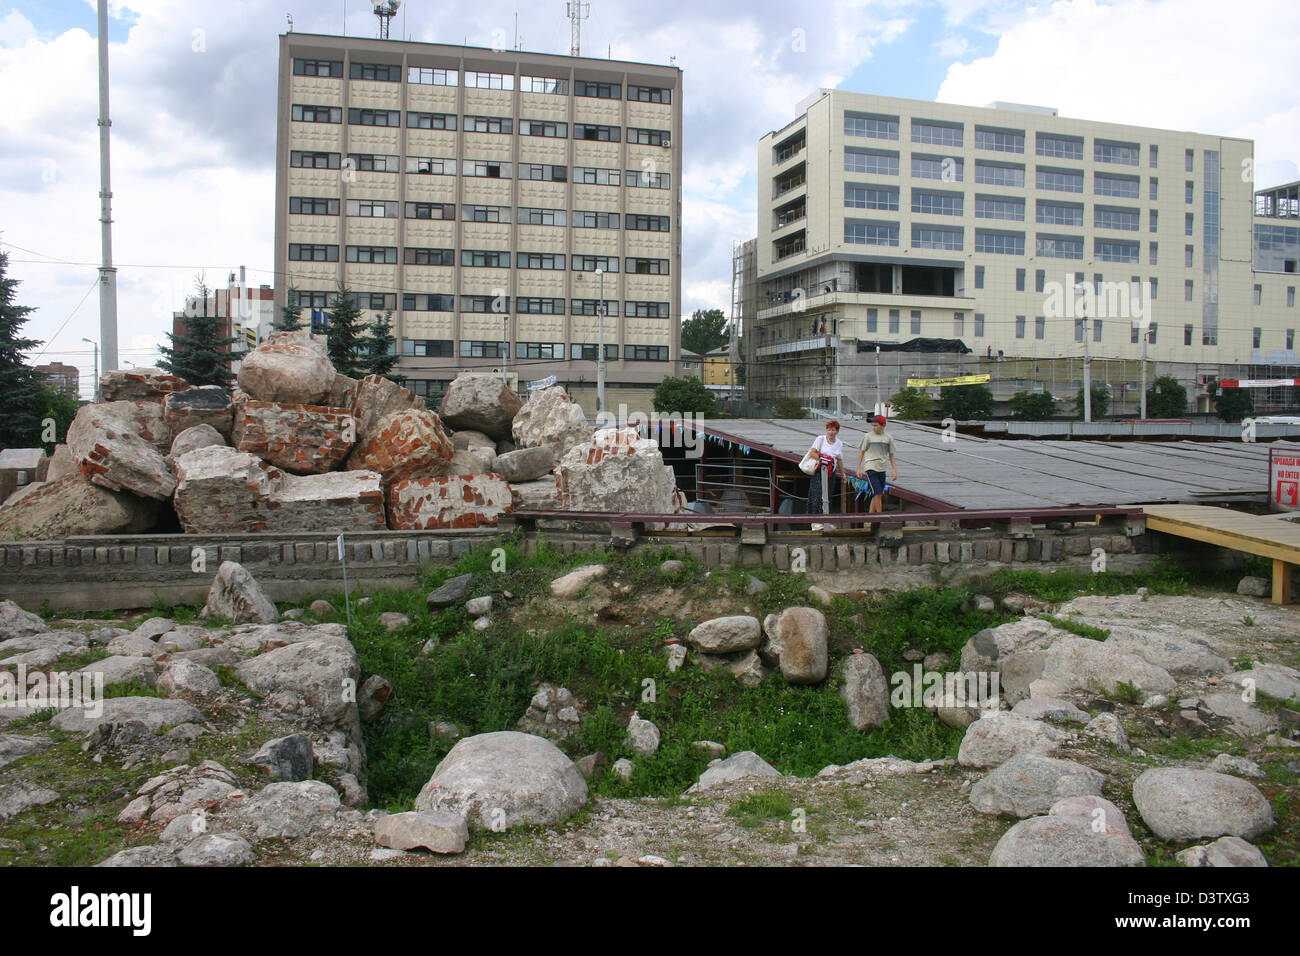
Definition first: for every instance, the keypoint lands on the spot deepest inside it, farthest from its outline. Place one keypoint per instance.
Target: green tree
(380, 348)
(705, 331)
(1234, 404)
(343, 334)
(1100, 401)
(787, 406)
(967, 402)
(1166, 398)
(201, 354)
(1032, 406)
(60, 407)
(21, 387)
(683, 395)
(912, 404)
(290, 313)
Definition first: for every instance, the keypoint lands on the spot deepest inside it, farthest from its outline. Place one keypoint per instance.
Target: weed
(1248, 621)
(1077, 627)
(757, 809)
(1128, 693)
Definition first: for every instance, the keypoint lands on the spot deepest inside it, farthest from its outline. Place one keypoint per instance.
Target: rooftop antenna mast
(577, 11)
(385, 11)
(107, 274)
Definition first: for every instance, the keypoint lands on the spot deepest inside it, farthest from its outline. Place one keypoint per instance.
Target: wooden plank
(1281, 582)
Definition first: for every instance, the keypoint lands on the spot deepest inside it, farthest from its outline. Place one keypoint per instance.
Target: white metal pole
(1145, 333)
(107, 274)
(505, 360)
(95, 346)
(600, 347)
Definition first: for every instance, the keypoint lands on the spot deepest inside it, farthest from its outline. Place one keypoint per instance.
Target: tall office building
(477, 194)
(1006, 227)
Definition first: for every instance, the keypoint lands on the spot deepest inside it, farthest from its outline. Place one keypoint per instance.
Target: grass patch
(759, 808)
(1077, 627)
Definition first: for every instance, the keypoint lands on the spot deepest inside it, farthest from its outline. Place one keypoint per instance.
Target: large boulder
(139, 385)
(725, 635)
(744, 764)
(61, 463)
(1069, 838)
(998, 737)
(71, 505)
(222, 490)
(375, 398)
(290, 367)
(1077, 663)
(204, 405)
(1181, 804)
(618, 471)
(865, 691)
(194, 438)
(410, 443)
(112, 454)
(503, 780)
(236, 595)
(434, 830)
(1030, 783)
(802, 634)
(1225, 851)
(314, 678)
(290, 810)
(303, 439)
(525, 464)
(340, 500)
(451, 501)
(16, 623)
(1181, 656)
(154, 712)
(480, 402)
(550, 418)
(989, 648)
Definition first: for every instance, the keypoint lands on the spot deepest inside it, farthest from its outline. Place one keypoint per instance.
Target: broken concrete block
(337, 501)
(549, 417)
(617, 471)
(376, 398)
(205, 405)
(304, 439)
(114, 455)
(71, 505)
(452, 501)
(138, 385)
(220, 489)
(406, 444)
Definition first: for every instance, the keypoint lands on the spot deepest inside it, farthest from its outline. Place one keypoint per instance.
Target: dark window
(384, 72)
(420, 256)
(302, 159)
(310, 206)
(367, 117)
(652, 267)
(604, 134)
(605, 91)
(646, 223)
(318, 68)
(485, 258)
(316, 114)
(649, 94)
(378, 254)
(427, 302)
(416, 120)
(307, 252)
(430, 210)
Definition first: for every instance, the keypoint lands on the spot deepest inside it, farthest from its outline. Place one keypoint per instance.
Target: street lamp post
(505, 359)
(1087, 359)
(600, 346)
(879, 407)
(96, 346)
(1146, 334)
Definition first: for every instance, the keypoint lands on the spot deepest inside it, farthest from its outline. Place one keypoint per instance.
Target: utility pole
(879, 407)
(96, 347)
(107, 274)
(600, 346)
(1146, 333)
(505, 357)
(1087, 359)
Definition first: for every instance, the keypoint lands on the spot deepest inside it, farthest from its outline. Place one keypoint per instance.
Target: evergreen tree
(201, 354)
(290, 314)
(379, 342)
(22, 388)
(343, 336)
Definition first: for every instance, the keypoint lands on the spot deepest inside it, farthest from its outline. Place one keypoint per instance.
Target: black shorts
(875, 482)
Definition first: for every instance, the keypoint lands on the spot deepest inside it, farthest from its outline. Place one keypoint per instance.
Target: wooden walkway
(1266, 536)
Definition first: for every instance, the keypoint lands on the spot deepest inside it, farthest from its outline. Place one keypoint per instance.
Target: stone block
(303, 439)
(450, 501)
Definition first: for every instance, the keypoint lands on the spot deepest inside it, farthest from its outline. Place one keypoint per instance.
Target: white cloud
(15, 29)
(952, 46)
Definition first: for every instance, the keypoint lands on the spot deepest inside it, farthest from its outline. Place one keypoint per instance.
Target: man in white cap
(874, 451)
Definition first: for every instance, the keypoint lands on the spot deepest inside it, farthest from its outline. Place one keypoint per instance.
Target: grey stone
(309, 678)
(236, 595)
(865, 691)
(290, 810)
(216, 849)
(525, 464)
(622, 767)
(1180, 655)
(393, 621)
(570, 585)
(671, 566)
(1239, 766)
(1107, 727)
(737, 766)
(1064, 841)
(1225, 851)
(998, 737)
(15, 622)
(1271, 679)
(372, 696)
(118, 669)
(286, 758)
(141, 856)
(439, 831)
(14, 747)
(1030, 783)
(505, 779)
(642, 736)
(1182, 804)
(1243, 719)
(1050, 708)
(1255, 587)
(1083, 664)
(477, 607)
(153, 712)
(802, 635)
(187, 677)
(450, 593)
(711, 748)
(18, 797)
(748, 669)
(725, 635)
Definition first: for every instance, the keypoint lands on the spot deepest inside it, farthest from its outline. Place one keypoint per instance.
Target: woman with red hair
(831, 452)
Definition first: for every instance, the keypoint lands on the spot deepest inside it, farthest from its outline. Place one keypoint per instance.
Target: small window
(979, 277)
(1259, 296)
(1020, 280)
(1020, 326)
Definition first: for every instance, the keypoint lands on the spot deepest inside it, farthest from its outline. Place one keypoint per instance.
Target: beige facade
(884, 220)
(476, 193)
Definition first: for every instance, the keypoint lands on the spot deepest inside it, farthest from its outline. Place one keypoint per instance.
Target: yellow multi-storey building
(1018, 233)
(504, 205)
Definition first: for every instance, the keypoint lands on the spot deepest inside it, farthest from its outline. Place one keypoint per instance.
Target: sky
(193, 97)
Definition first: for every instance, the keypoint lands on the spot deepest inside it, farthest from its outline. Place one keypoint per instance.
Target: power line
(94, 283)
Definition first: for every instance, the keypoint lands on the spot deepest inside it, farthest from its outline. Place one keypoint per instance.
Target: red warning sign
(1283, 479)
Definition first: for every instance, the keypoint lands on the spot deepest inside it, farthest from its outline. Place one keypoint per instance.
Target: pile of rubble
(299, 447)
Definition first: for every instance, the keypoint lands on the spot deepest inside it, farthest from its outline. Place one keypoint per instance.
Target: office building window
(1189, 159)
(430, 210)
(431, 76)
(373, 208)
(895, 315)
(587, 351)
(485, 213)
(871, 233)
(979, 325)
(1020, 326)
(367, 117)
(604, 91)
(542, 172)
(645, 310)
(486, 168)
(331, 68)
(1096, 330)
(1000, 174)
(649, 94)
(543, 128)
(873, 318)
(539, 350)
(427, 348)
(1187, 290)
(1290, 339)
(871, 197)
(1152, 153)
(1040, 327)
(646, 353)
(478, 348)
(592, 307)
(1040, 279)
(1188, 192)
(648, 267)
(590, 219)
(1152, 286)
(596, 176)
(485, 258)
(427, 302)
(1059, 147)
(1000, 140)
(1153, 250)
(936, 204)
(1020, 280)
(979, 277)
(935, 237)
(316, 114)
(1123, 154)
(1155, 188)
(958, 324)
(1189, 221)
(649, 137)
(591, 131)
(878, 162)
(374, 254)
(1290, 297)
(371, 163)
(1153, 220)
(311, 206)
(1058, 247)
(310, 300)
(592, 263)
(382, 72)
(641, 222)
(1078, 330)
(489, 81)
(1060, 213)
(536, 216)
(1000, 243)
(1187, 335)
(415, 120)
(1114, 184)
(916, 321)
(543, 84)
(938, 134)
(430, 166)
(1059, 180)
(1259, 294)
(541, 260)
(999, 207)
(308, 252)
(532, 305)
(949, 169)
(1112, 217)
(421, 256)
(489, 124)
(499, 304)
(1256, 335)
(303, 159)
(870, 125)
(648, 180)
(1189, 256)
(1115, 250)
